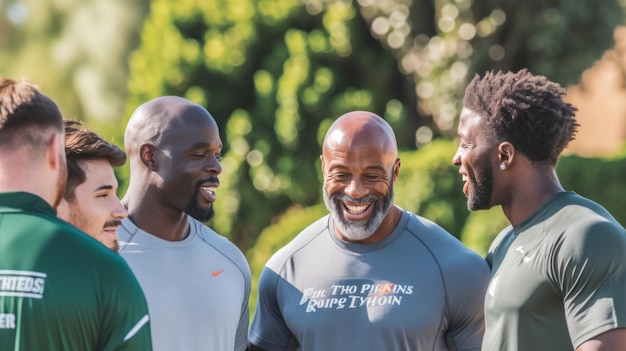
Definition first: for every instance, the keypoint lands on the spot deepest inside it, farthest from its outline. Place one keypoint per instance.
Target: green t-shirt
(558, 278)
(61, 289)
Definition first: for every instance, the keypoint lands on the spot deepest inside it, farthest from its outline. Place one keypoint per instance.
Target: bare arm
(612, 340)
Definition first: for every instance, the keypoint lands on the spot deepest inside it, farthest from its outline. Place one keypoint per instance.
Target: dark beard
(364, 228)
(197, 212)
(482, 188)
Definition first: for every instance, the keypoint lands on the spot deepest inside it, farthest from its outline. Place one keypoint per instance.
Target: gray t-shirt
(197, 288)
(417, 289)
(559, 278)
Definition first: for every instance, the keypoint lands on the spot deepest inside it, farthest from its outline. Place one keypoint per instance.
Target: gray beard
(358, 230)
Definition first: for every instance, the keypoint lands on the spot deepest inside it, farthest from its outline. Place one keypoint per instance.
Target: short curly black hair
(524, 109)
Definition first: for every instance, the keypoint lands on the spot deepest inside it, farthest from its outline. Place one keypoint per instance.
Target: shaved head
(362, 130)
(157, 119)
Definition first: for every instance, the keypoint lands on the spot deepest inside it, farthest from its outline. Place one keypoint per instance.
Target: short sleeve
(269, 330)
(590, 272)
(465, 291)
(126, 323)
(241, 338)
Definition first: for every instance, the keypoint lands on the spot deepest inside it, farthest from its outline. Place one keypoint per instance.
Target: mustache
(112, 223)
(211, 179)
(346, 198)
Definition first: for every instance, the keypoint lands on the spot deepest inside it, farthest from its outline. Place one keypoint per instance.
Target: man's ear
(147, 156)
(396, 170)
(56, 151)
(506, 154)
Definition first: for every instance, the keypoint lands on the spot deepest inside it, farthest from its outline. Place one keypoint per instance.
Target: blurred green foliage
(443, 43)
(274, 76)
(556, 38)
(75, 51)
(275, 73)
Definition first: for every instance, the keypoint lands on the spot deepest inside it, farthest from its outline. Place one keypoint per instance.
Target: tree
(274, 74)
(75, 51)
(443, 43)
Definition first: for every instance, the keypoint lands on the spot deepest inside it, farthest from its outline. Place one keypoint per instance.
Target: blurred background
(276, 73)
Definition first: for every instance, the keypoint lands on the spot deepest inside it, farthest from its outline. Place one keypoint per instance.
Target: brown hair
(524, 109)
(26, 115)
(83, 145)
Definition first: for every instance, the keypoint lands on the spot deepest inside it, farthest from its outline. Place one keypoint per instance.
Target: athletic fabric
(559, 278)
(60, 289)
(197, 289)
(417, 289)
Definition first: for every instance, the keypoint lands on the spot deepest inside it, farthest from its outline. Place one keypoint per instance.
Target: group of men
(367, 276)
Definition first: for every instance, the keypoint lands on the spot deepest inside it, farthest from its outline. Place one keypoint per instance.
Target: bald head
(156, 120)
(362, 131)
(360, 165)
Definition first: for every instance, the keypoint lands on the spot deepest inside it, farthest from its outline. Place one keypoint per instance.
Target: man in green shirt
(558, 277)
(59, 288)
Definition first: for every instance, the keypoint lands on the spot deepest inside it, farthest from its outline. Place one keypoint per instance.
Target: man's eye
(340, 176)
(372, 177)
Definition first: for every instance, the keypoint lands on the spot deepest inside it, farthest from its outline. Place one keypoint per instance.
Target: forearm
(612, 340)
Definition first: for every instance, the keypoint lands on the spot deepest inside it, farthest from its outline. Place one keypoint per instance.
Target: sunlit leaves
(274, 76)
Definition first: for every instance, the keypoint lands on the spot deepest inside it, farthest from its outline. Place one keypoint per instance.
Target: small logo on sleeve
(217, 273)
(525, 257)
(22, 284)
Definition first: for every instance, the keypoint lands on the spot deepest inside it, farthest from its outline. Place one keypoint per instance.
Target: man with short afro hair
(558, 277)
(527, 110)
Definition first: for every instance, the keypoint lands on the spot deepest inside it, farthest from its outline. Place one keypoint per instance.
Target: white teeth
(356, 209)
(209, 189)
(464, 178)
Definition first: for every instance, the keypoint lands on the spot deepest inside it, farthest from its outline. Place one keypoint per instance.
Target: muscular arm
(612, 340)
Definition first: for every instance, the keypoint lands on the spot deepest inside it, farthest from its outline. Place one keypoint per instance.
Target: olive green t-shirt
(61, 289)
(558, 278)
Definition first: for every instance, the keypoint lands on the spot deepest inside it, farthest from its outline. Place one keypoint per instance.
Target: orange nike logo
(215, 274)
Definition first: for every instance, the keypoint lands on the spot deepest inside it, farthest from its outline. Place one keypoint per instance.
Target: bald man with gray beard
(369, 276)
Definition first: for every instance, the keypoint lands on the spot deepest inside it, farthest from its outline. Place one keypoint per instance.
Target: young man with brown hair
(90, 201)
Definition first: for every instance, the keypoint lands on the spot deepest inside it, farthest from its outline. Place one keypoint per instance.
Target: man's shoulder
(210, 236)
(431, 234)
(69, 251)
(576, 208)
(220, 243)
(299, 244)
(448, 250)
